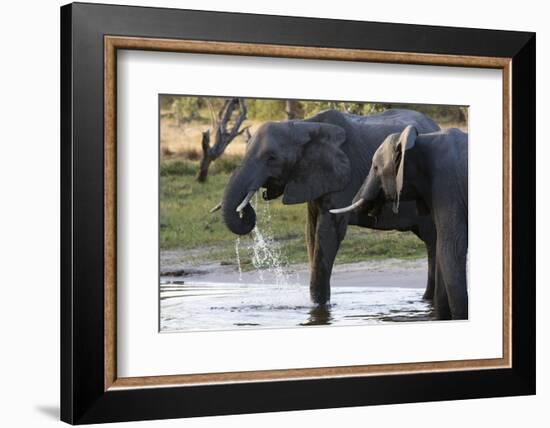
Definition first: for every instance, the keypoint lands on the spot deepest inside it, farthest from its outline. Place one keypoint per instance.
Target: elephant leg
(427, 233)
(329, 232)
(451, 258)
(311, 226)
(442, 311)
(430, 286)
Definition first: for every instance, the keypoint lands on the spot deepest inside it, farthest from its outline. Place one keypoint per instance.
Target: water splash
(266, 257)
(264, 251)
(238, 256)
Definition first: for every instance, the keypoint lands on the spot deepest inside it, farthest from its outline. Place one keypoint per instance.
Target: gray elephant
(432, 170)
(323, 161)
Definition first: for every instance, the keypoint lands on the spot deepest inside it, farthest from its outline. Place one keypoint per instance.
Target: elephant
(430, 169)
(323, 161)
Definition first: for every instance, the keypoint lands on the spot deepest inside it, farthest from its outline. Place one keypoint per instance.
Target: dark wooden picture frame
(90, 390)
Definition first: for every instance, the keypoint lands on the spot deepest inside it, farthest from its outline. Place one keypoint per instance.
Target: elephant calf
(435, 176)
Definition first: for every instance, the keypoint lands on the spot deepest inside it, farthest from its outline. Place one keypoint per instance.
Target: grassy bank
(185, 222)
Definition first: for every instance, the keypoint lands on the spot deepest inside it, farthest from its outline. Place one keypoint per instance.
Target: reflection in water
(193, 306)
(319, 315)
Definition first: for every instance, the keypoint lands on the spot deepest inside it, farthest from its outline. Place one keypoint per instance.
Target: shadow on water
(412, 315)
(319, 315)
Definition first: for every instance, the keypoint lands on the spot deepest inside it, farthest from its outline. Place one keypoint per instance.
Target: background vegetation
(185, 221)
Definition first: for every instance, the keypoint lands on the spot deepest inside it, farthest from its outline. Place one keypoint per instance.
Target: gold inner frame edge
(113, 43)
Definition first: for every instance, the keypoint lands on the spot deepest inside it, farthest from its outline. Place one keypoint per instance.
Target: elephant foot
(462, 315)
(442, 312)
(443, 316)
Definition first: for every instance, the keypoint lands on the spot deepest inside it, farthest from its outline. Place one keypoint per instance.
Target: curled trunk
(240, 223)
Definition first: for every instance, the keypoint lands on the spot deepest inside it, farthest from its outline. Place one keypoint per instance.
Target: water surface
(275, 295)
(193, 306)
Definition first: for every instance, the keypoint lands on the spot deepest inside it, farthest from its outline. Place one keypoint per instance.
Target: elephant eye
(271, 158)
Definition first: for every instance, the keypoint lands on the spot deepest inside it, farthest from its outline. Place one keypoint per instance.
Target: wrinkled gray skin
(323, 161)
(432, 170)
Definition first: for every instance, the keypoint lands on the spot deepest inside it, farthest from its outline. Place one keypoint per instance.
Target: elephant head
(297, 159)
(385, 179)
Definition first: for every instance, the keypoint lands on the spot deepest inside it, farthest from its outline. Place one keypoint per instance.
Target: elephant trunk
(238, 214)
(370, 189)
(364, 197)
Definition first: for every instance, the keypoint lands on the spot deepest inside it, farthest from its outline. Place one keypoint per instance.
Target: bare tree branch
(213, 120)
(223, 135)
(247, 134)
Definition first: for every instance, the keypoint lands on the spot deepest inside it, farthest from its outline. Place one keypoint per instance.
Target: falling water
(237, 254)
(264, 251)
(266, 256)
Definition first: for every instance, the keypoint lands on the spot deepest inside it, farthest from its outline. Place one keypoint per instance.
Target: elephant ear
(405, 142)
(322, 166)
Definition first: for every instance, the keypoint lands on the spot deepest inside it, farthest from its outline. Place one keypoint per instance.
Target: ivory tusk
(216, 208)
(348, 208)
(245, 201)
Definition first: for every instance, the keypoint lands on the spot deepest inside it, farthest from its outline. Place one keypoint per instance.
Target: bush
(225, 164)
(187, 109)
(178, 168)
(165, 151)
(311, 108)
(266, 109)
(191, 154)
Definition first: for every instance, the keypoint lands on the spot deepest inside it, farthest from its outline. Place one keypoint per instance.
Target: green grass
(185, 222)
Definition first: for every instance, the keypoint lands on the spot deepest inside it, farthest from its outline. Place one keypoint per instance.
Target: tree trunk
(206, 159)
(202, 174)
(290, 109)
(463, 115)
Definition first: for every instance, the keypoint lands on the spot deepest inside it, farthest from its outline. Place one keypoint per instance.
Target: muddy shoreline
(379, 273)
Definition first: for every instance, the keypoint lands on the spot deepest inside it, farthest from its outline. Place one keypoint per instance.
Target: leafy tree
(266, 109)
(311, 108)
(186, 109)
(166, 102)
